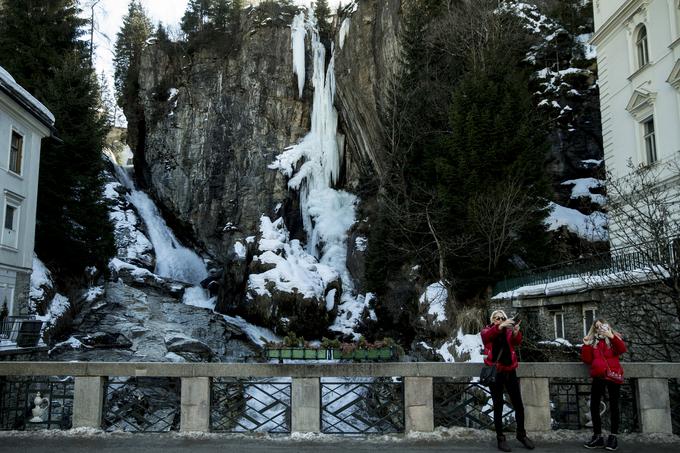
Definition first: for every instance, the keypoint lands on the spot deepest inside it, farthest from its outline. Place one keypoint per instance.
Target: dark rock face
(214, 122)
(214, 119)
(363, 67)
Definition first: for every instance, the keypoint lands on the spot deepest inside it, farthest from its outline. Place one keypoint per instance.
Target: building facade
(638, 56)
(24, 122)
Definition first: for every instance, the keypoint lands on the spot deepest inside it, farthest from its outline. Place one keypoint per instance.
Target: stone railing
(651, 381)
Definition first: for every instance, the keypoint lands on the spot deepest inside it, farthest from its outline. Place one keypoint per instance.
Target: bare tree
(498, 216)
(644, 211)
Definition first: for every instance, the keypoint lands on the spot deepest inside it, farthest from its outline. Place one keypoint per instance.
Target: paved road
(148, 443)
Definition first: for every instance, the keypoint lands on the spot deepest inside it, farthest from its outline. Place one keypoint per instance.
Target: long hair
(592, 333)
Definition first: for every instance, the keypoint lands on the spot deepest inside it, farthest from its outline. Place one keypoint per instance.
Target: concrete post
(419, 404)
(306, 405)
(536, 398)
(195, 413)
(654, 405)
(88, 402)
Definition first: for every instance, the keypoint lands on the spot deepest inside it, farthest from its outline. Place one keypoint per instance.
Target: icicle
(344, 29)
(297, 35)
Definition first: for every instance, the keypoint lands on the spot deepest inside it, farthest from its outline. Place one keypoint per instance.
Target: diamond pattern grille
(467, 404)
(239, 406)
(141, 404)
(17, 401)
(374, 406)
(570, 405)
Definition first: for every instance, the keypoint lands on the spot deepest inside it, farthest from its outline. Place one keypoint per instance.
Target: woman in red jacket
(500, 339)
(601, 350)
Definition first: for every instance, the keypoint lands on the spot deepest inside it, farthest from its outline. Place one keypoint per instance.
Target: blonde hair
(497, 312)
(592, 333)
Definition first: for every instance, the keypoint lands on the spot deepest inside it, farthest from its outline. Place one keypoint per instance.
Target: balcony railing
(611, 264)
(352, 398)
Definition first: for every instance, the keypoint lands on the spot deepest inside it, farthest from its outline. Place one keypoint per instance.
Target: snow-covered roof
(25, 99)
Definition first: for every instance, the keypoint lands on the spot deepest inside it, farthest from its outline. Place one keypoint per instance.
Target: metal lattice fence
(239, 406)
(147, 405)
(32, 403)
(363, 407)
(570, 405)
(674, 390)
(467, 404)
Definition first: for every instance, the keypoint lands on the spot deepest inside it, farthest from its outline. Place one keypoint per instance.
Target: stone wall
(644, 314)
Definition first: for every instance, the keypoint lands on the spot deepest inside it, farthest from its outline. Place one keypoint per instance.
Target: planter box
(364, 354)
(322, 354)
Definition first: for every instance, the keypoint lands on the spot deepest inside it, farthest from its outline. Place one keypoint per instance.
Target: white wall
(620, 77)
(20, 189)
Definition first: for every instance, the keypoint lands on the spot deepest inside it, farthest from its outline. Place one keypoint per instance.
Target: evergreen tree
(196, 16)
(322, 13)
(235, 16)
(40, 47)
(220, 13)
(130, 42)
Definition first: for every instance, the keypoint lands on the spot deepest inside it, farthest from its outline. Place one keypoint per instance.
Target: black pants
(596, 394)
(510, 382)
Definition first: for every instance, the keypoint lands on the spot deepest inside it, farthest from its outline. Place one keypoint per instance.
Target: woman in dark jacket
(500, 339)
(601, 350)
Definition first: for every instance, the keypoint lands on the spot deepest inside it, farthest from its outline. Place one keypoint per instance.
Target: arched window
(642, 46)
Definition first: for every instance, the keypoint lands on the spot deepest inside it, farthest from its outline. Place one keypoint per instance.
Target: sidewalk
(172, 443)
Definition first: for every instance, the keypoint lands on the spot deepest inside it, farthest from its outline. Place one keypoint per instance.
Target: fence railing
(356, 398)
(626, 259)
(20, 331)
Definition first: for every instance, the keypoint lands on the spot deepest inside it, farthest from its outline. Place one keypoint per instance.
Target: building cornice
(674, 77)
(626, 10)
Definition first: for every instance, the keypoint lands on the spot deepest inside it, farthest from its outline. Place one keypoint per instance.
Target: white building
(638, 56)
(24, 122)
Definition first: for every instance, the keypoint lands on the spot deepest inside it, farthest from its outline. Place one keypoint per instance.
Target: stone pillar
(195, 413)
(306, 405)
(418, 404)
(88, 402)
(654, 405)
(536, 398)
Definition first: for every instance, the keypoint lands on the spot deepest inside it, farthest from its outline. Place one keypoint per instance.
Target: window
(10, 232)
(10, 213)
(589, 316)
(650, 140)
(642, 47)
(558, 319)
(16, 152)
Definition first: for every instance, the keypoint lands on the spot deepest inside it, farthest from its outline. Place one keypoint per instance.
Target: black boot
(503, 444)
(528, 443)
(612, 443)
(597, 441)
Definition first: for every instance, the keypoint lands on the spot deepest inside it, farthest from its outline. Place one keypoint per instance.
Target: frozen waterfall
(327, 213)
(173, 260)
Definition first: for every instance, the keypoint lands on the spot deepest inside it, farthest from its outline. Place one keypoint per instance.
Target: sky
(109, 17)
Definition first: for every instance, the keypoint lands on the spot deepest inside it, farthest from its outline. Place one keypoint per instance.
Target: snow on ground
(579, 283)
(469, 346)
(435, 298)
(556, 342)
(592, 227)
(40, 278)
(59, 305)
(589, 51)
(292, 267)
(582, 188)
